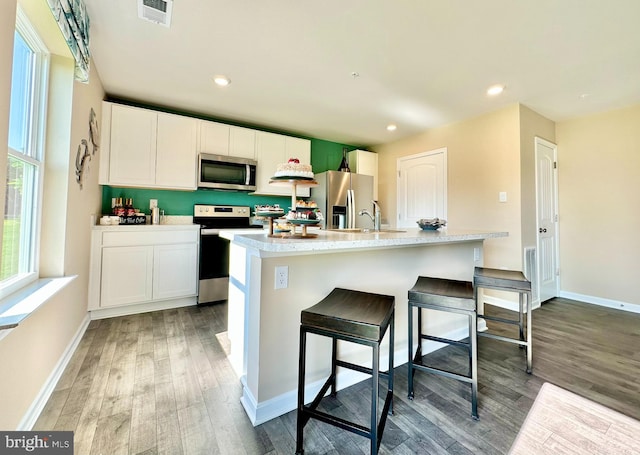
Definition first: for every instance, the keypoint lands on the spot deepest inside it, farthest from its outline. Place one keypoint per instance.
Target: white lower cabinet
(142, 266)
(174, 271)
(127, 273)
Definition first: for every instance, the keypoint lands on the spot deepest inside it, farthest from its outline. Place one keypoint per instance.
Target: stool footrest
(497, 319)
(445, 340)
(360, 368)
(337, 421)
(309, 412)
(501, 338)
(448, 374)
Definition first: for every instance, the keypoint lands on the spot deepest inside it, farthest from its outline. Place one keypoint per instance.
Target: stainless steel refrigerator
(340, 196)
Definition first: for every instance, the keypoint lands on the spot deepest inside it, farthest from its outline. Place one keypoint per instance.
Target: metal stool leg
(410, 363)
(521, 315)
(301, 372)
(392, 326)
(334, 355)
(529, 339)
(375, 384)
(473, 344)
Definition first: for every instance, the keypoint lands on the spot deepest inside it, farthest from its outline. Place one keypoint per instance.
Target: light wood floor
(159, 383)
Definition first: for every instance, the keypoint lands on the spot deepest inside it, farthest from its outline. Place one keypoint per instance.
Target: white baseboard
(270, 409)
(126, 310)
(32, 414)
(609, 303)
(506, 304)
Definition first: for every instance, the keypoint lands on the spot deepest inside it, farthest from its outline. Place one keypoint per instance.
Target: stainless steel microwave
(226, 172)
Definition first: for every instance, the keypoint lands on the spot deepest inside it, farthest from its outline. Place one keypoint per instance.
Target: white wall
(30, 353)
(599, 192)
(483, 159)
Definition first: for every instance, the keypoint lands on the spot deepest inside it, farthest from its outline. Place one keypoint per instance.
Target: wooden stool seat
(509, 280)
(356, 317)
(513, 281)
(351, 313)
(449, 296)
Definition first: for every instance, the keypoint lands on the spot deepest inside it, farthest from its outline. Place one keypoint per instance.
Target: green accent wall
(325, 155)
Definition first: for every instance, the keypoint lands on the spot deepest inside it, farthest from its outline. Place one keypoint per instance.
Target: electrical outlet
(476, 254)
(153, 203)
(282, 277)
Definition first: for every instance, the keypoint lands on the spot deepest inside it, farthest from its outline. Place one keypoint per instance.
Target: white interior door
(547, 218)
(422, 187)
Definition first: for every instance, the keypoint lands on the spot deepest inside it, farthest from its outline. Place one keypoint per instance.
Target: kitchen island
(263, 325)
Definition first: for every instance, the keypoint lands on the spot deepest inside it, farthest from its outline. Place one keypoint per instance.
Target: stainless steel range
(214, 250)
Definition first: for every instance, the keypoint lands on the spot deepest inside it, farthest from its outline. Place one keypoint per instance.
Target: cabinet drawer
(149, 238)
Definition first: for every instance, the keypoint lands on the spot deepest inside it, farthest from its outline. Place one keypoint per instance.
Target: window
(25, 158)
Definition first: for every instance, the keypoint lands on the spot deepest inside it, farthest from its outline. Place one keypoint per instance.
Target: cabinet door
(213, 138)
(133, 146)
(301, 149)
(176, 161)
(175, 272)
(242, 142)
(270, 151)
(126, 275)
(364, 162)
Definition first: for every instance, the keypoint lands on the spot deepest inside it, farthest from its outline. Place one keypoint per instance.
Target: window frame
(35, 149)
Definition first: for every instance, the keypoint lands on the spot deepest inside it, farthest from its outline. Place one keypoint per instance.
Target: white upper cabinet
(242, 142)
(269, 152)
(133, 146)
(364, 162)
(149, 149)
(144, 148)
(220, 139)
(273, 149)
(213, 138)
(176, 158)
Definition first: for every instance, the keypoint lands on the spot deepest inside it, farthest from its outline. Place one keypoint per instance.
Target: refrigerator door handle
(350, 210)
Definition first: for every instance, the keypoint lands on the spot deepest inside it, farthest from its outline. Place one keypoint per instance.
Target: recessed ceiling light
(584, 96)
(495, 90)
(391, 127)
(222, 81)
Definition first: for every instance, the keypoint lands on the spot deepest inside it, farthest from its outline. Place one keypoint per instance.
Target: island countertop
(335, 241)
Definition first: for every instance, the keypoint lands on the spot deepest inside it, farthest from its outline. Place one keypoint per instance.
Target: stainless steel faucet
(376, 217)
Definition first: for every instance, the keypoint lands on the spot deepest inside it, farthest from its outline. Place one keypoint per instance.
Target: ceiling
(420, 64)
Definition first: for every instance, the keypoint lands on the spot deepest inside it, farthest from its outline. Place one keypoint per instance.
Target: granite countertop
(333, 241)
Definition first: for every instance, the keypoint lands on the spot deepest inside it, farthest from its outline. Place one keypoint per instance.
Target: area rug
(561, 422)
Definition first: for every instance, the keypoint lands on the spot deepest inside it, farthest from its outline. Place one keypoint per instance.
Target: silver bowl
(431, 224)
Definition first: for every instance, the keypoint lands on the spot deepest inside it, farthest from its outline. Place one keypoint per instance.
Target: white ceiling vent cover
(157, 11)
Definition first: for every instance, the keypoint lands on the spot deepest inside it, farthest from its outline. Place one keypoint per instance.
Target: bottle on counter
(344, 164)
(128, 207)
(118, 209)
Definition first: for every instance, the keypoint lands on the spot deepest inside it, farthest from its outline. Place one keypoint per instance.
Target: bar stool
(356, 317)
(453, 297)
(513, 281)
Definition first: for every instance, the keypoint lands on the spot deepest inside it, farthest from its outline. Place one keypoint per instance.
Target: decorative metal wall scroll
(83, 156)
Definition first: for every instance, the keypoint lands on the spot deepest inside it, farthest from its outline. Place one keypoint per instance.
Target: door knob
(541, 230)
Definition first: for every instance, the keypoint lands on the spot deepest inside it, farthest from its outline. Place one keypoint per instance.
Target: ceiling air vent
(157, 11)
